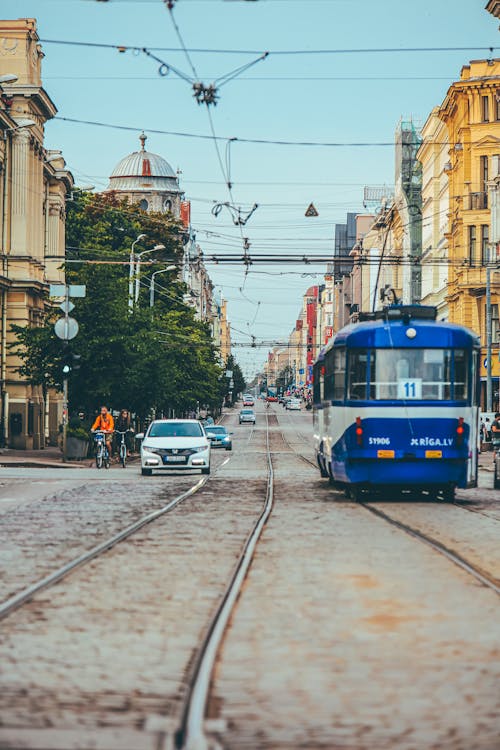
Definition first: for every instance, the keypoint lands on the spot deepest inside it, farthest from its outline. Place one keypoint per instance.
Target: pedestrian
(495, 434)
(123, 424)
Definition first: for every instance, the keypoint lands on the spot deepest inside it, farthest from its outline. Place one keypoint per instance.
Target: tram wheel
(355, 493)
(449, 494)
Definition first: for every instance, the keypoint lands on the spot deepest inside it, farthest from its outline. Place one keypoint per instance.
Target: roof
(380, 333)
(144, 170)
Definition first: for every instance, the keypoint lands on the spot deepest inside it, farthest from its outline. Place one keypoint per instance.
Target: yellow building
(471, 114)
(33, 188)
(433, 155)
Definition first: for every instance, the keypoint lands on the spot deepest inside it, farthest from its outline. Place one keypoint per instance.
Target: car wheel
(146, 472)
(229, 448)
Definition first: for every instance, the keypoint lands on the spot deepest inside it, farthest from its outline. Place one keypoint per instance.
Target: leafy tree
(239, 384)
(158, 358)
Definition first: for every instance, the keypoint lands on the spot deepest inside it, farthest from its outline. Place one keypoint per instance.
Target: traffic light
(69, 362)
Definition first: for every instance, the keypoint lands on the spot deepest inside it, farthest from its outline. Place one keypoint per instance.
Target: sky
(318, 84)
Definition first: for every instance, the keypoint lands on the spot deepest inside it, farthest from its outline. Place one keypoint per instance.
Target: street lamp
(489, 379)
(138, 266)
(152, 283)
(131, 273)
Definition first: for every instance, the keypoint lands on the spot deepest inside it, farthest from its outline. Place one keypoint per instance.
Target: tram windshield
(408, 374)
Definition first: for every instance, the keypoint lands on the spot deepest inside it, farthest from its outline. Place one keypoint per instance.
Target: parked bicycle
(122, 447)
(102, 457)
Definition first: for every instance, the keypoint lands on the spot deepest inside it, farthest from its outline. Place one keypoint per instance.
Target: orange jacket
(106, 424)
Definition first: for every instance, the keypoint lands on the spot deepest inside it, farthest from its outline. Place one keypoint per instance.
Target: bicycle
(102, 457)
(122, 451)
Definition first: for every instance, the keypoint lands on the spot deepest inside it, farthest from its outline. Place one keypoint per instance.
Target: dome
(144, 171)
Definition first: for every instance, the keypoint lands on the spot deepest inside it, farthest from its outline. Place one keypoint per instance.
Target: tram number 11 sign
(408, 389)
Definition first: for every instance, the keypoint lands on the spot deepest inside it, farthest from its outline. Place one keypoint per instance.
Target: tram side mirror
(139, 436)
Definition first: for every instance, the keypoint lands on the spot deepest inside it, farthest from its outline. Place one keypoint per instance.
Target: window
(167, 205)
(339, 375)
(485, 249)
(410, 374)
(175, 429)
(357, 374)
(483, 173)
(472, 244)
(317, 396)
(335, 374)
(144, 205)
(485, 108)
(495, 325)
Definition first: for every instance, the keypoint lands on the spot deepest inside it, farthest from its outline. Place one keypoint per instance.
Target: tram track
(479, 574)
(25, 595)
(192, 734)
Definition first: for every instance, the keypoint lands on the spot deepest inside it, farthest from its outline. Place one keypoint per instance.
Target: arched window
(167, 205)
(144, 204)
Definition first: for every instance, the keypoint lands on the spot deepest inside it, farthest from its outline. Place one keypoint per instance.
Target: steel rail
(16, 601)
(454, 557)
(191, 734)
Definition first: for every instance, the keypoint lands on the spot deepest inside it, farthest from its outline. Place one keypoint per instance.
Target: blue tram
(396, 404)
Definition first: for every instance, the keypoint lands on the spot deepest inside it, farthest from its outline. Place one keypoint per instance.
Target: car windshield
(217, 430)
(175, 429)
(246, 411)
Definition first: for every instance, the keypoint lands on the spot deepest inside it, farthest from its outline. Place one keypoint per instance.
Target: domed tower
(147, 179)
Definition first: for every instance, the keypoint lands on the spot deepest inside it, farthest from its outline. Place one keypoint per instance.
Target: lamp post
(131, 273)
(138, 267)
(152, 283)
(489, 337)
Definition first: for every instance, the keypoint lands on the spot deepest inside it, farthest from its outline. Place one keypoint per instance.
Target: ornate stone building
(147, 179)
(33, 187)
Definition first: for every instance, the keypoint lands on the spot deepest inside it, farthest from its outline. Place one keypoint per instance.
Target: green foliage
(239, 384)
(157, 358)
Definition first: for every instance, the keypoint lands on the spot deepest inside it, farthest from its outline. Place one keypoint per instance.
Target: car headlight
(200, 448)
(148, 447)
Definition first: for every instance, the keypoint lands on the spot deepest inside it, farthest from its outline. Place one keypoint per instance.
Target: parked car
(247, 415)
(219, 437)
(174, 444)
(293, 404)
(272, 398)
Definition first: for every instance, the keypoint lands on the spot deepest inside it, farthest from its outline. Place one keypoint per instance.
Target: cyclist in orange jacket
(105, 423)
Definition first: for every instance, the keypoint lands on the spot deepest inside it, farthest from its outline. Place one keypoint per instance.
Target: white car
(293, 404)
(174, 444)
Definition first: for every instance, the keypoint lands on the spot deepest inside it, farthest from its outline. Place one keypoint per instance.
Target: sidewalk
(49, 458)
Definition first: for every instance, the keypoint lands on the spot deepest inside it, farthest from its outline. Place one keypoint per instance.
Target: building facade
(471, 115)
(34, 186)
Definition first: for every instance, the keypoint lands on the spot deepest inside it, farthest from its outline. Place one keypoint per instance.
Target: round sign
(66, 328)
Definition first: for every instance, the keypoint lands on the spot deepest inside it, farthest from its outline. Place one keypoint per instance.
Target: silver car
(247, 415)
(174, 444)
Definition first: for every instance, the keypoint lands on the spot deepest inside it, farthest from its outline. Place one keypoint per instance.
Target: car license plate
(174, 459)
(434, 454)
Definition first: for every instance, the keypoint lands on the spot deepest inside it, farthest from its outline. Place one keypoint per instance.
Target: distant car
(293, 404)
(219, 437)
(247, 415)
(272, 398)
(248, 401)
(174, 444)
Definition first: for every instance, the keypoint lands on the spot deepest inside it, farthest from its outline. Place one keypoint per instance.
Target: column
(20, 173)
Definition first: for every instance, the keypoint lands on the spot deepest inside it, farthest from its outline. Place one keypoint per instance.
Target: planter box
(76, 449)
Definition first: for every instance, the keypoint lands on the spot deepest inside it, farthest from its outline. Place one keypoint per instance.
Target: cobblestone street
(348, 633)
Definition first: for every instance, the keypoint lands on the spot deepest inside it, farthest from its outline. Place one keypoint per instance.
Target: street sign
(57, 290)
(77, 290)
(311, 210)
(66, 306)
(66, 328)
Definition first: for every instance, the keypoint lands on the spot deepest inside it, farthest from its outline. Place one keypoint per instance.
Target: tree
(158, 358)
(239, 384)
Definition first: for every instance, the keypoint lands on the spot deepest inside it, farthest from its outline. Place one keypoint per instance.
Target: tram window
(357, 369)
(317, 383)
(461, 372)
(328, 386)
(419, 374)
(338, 374)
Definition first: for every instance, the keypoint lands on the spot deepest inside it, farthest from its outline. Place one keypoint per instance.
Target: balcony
(478, 201)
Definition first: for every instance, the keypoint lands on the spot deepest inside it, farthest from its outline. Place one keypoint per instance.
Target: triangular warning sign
(311, 210)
